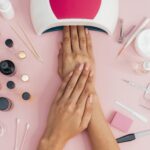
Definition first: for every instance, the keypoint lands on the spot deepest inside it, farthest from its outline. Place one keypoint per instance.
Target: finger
(60, 63)
(82, 38)
(63, 86)
(72, 83)
(89, 43)
(74, 39)
(87, 113)
(80, 85)
(66, 40)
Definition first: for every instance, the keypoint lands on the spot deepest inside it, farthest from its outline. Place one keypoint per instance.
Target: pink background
(44, 80)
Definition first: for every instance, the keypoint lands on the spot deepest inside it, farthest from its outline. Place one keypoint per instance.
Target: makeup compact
(5, 104)
(52, 15)
(7, 67)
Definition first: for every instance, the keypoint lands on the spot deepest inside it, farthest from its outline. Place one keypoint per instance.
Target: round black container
(7, 67)
(5, 104)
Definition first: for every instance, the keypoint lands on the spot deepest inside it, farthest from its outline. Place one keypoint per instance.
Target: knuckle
(75, 37)
(78, 110)
(83, 40)
(66, 39)
(70, 108)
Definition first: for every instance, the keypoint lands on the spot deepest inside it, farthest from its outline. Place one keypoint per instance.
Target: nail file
(133, 136)
(132, 112)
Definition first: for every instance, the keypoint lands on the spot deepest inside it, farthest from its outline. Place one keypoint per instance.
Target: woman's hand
(71, 110)
(76, 48)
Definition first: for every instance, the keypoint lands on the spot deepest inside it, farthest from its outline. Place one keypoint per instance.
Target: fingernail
(87, 31)
(81, 67)
(91, 99)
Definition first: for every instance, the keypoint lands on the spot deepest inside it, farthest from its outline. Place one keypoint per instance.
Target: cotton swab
(133, 36)
(25, 135)
(16, 135)
(137, 115)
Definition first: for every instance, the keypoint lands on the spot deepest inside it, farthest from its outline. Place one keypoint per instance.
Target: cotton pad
(121, 122)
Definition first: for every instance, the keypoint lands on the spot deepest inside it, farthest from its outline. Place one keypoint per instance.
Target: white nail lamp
(49, 15)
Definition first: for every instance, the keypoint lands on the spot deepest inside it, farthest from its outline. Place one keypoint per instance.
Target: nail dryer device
(50, 15)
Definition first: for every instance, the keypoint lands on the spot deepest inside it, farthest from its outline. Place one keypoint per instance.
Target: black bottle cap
(10, 85)
(26, 96)
(7, 67)
(9, 43)
(5, 104)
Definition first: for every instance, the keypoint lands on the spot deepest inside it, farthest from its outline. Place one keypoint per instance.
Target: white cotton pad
(142, 43)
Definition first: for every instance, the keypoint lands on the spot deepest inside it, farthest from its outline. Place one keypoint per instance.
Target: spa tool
(29, 41)
(128, 33)
(137, 86)
(5, 104)
(133, 136)
(7, 67)
(16, 133)
(25, 43)
(142, 44)
(121, 35)
(132, 112)
(2, 129)
(25, 135)
(26, 96)
(48, 15)
(6, 9)
(10, 85)
(121, 122)
(136, 32)
(25, 78)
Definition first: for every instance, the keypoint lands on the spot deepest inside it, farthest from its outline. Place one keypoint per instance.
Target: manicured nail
(81, 67)
(91, 99)
(87, 31)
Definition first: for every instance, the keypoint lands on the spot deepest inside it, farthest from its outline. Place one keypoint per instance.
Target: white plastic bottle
(6, 9)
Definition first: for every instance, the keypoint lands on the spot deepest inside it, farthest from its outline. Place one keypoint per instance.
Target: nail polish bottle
(6, 9)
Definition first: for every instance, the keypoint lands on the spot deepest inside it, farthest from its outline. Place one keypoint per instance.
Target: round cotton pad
(142, 43)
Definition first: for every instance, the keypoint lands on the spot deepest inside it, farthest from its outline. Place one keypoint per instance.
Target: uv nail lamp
(49, 15)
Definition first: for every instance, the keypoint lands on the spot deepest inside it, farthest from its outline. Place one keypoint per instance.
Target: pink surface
(44, 80)
(121, 122)
(86, 9)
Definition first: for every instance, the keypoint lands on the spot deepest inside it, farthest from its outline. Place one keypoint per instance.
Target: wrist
(52, 142)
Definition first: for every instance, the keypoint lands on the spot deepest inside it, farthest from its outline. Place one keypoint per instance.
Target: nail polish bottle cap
(5, 104)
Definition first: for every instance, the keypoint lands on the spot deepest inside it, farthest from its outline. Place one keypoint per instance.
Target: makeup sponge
(121, 122)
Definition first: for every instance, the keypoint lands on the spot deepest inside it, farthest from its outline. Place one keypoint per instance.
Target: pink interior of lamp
(83, 9)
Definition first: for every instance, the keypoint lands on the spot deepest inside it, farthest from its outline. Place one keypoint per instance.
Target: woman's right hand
(71, 110)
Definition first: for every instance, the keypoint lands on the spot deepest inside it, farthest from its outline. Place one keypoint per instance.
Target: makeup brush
(133, 136)
(133, 36)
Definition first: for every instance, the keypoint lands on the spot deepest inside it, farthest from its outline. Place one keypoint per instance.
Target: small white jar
(142, 44)
(6, 9)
